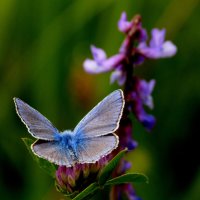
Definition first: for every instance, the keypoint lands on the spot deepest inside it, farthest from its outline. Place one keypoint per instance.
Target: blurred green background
(42, 47)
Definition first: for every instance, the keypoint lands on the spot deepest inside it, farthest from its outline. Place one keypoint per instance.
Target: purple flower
(124, 25)
(123, 166)
(141, 95)
(133, 51)
(101, 63)
(118, 75)
(133, 28)
(121, 191)
(158, 48)
(125, 136)
(130, 193)
(147, 120)
(144, 90)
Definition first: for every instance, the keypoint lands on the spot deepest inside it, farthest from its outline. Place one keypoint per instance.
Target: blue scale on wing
(60, 151)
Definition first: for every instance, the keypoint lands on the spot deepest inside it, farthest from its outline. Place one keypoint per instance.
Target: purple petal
(138, 59)
(149, 102)
(113, 61)
(143, 35)
(123, 24)
(158, 37)
(142, 45)
(132, 144)
(157, 47)
(123, 166)
(127, 165)
(125, 45)
(145, 89)
(98, 54)
(141, 96)
(130, 193)
(149, 52)
(148, 121)
(151, 85)
(168, 49)
(95, 67)
(92, 67)
(118, 76)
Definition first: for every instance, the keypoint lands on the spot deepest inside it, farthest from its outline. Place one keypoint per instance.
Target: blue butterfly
(92, 139)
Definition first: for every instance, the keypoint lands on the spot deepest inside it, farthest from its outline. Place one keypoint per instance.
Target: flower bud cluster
(76, 178)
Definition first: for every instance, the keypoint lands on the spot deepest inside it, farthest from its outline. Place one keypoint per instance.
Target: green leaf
(107, 170)
(71, 196)
(28, 142)
(64, 192)
(128, 178)
(87, 191)
(47, 166)
(44, 164)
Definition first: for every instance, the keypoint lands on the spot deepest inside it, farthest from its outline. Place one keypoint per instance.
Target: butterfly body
(69, 141)
(92, 139)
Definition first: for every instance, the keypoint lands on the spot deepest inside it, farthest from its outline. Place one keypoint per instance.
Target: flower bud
(78, 177)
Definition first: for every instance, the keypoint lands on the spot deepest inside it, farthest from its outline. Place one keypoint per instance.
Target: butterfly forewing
(103, 118)
(38, 125)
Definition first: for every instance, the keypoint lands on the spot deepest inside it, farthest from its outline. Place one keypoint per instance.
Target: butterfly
(92, 139)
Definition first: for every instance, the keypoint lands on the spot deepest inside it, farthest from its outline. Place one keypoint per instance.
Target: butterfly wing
(95, 131)
(38, 125)
(53, 152)
(91, 150)
(103, 118)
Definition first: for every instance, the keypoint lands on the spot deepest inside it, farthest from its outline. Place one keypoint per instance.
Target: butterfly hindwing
(53, 152)
(91, 150)
(38, 125)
